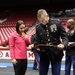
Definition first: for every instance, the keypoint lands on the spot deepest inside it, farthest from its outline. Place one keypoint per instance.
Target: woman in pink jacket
(18, 43)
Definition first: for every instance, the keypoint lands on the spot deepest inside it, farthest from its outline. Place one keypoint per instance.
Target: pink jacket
(17, 46)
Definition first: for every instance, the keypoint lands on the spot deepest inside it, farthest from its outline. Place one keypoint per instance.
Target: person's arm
(38, 38)
(26, 37)
(63, 35)
(32, 38)
(27, 40)
(28, 43)
(11, 46)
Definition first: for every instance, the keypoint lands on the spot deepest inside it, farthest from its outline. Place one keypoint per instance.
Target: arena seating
(8, 26)
(13, 18)
(6, 31)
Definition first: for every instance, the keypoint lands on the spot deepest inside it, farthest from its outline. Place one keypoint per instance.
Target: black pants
(21, 67)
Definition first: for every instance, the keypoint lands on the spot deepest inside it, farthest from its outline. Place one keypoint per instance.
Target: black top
(71, 37)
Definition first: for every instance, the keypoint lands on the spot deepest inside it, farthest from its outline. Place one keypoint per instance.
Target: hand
(68, 44)
(14, 61)
(60, 46)
(24, 35)
(31, 46)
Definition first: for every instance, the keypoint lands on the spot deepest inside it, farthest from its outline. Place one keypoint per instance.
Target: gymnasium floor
(6, 68)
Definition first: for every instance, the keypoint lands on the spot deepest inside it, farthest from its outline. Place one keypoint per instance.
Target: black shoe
(35, 68)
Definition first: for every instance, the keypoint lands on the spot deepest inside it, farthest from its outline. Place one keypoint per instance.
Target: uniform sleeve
(38, 38)
(63, 34)
(32, 39)
(11, 45)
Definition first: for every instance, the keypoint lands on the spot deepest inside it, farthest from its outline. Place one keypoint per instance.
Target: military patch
(53, 28)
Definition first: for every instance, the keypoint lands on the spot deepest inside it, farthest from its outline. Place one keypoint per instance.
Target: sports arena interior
(13, 10)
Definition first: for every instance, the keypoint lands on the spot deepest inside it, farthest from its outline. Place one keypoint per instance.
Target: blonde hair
(41, 12)
(71, 21)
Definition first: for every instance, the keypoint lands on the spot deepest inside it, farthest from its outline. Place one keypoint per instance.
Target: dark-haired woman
(18, 43)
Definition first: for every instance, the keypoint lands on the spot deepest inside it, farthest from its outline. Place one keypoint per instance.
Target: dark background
(52, 5)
